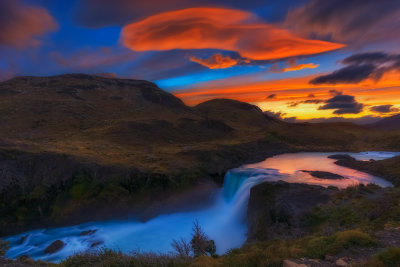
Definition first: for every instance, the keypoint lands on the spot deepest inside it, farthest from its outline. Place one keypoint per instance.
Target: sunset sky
(297, 59)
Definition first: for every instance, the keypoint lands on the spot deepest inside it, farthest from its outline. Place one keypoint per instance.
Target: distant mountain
(234, 113)
(388, 124)
(116, 120)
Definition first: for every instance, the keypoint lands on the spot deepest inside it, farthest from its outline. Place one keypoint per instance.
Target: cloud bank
(22, 24)
(354, 22)
(361, 67)
(343, 104)
(219, 28)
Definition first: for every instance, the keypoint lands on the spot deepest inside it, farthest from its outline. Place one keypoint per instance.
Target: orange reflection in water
(292, 165)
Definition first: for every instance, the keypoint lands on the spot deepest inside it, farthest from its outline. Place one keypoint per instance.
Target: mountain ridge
(391, 123)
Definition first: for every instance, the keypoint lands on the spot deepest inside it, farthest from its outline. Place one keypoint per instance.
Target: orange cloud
(219, 28)
(300, 67)
(386, 91)
(21, 24)
(216, 61)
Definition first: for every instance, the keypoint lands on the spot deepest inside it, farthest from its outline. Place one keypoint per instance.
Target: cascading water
(224, 221)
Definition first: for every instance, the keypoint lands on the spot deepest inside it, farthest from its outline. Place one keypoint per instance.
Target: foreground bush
(319, 247)
(109, 258)
(390, 257)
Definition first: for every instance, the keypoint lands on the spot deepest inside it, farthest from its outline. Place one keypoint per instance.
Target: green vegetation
(106, 257)
(319, 247)
(62, 200)
(390, 257)
(366, 207)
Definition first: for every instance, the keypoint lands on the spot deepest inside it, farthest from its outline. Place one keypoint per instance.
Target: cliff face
(280, 209)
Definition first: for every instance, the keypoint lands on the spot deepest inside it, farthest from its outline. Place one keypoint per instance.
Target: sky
(300, 60)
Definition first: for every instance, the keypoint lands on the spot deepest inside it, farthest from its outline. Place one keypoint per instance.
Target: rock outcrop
(54, 247)
(279, 209)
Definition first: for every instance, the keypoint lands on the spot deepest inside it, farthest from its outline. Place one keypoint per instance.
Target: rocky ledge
(279, 209)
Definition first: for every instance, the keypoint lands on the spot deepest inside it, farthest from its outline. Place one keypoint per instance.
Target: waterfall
(224, 221)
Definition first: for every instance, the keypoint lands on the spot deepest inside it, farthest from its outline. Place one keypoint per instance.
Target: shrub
(201, 244)
(354, 238)
(390, 257)
(182, 247)
(320, 246)
(107, 257)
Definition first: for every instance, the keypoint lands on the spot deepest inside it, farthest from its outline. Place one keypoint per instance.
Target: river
(224, 221)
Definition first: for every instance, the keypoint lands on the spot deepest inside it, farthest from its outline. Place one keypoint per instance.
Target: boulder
(97, 243)
(325, 175)
(88, 232)
(54, 247)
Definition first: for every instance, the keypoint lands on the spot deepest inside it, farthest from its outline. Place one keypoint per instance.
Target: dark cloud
(313, 101)
(367, 58)
(361, 67)
(335, 92)
(21, 24)
(277, 115)
(350, 74)
(308, 101)
(343, 104)
(354, 22)
(384, 109)
(271, 96)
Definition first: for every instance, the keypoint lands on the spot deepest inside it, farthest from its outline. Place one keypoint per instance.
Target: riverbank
(388, 169)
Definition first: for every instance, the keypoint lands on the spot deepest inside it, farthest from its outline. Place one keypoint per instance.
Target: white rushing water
(224, 221)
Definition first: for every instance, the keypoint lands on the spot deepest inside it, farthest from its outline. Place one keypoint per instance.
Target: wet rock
(325, 175)
(97, 243)
(54, 247)
(88, 232)
(23, 239)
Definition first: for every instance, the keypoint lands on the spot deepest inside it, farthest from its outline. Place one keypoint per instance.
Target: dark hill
(234, 113)
(117, 120)
(388, 124)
